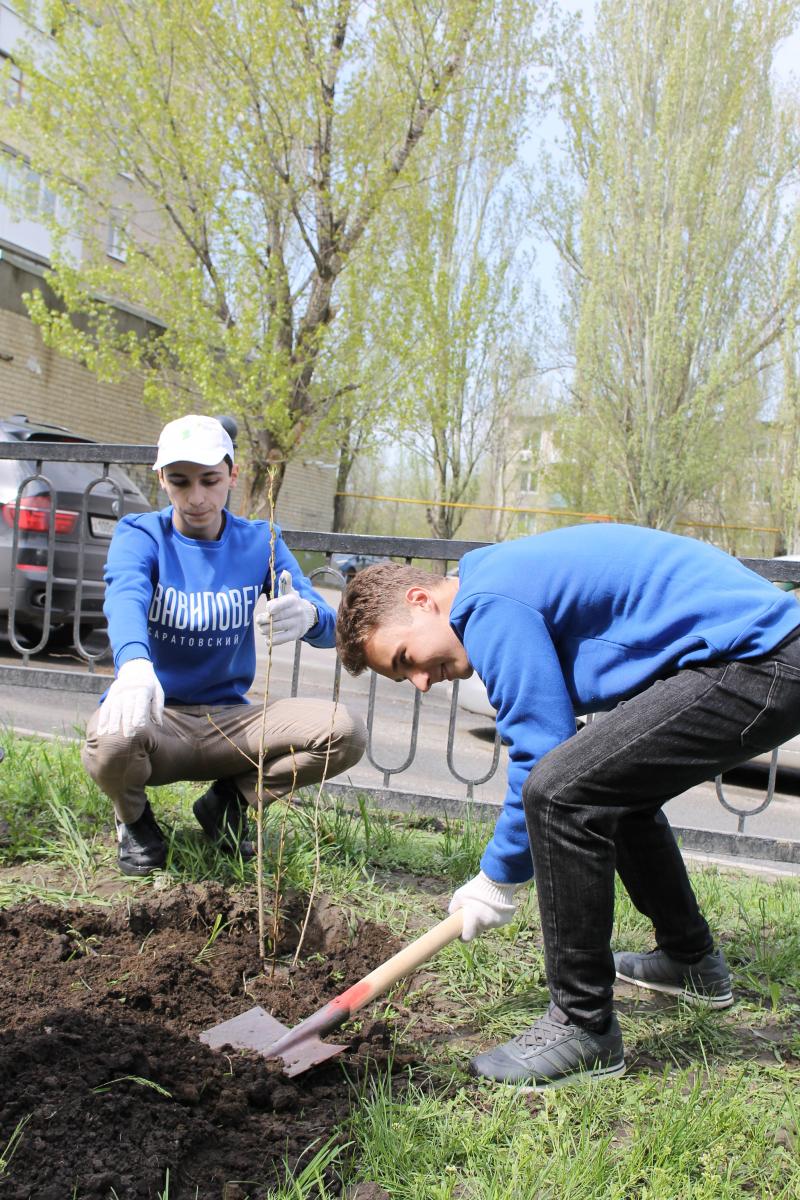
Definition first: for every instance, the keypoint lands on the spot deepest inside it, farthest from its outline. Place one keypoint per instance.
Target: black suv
(30, 573)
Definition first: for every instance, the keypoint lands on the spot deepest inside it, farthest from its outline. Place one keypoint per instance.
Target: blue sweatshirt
(187, 604)
(578, 619)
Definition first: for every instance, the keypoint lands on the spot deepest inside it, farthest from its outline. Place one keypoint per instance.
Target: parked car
(29, 574)
(350, 564)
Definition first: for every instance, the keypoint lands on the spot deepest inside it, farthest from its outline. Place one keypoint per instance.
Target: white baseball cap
(193, 439)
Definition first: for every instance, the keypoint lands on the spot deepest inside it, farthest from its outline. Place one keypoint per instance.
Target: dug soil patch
(102, 1075)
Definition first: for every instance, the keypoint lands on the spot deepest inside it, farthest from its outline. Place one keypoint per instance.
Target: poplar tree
(462, 294)
(679, 257)
(783, 485)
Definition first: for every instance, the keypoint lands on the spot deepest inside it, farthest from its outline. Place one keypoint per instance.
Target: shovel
(301, 1047)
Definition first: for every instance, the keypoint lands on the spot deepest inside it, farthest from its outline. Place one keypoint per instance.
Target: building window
(528, 480)
(13, 82)
(48, 201)
(115, 238)
(25, 187)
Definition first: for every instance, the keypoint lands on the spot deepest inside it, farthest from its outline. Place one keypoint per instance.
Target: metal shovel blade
(301, 1047)
(257, 1030)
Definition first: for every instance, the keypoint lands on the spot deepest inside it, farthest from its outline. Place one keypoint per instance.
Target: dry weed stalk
(276, 905)
(261, 748)
(259, 765)
(315, 826)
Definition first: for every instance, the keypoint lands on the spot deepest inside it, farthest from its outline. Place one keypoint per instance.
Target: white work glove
(486, 905)
(289, 616)
(134, 698)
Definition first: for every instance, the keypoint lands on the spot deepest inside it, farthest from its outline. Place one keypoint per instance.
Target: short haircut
(374, 597)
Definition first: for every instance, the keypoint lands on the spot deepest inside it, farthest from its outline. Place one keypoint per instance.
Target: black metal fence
(456, 789)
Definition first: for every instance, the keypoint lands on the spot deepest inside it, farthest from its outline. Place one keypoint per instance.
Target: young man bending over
(694, 662)
(182, 586)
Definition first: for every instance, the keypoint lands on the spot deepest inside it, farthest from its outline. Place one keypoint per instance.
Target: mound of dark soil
(100, 1063)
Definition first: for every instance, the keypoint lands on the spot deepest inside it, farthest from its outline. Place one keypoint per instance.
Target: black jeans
(593, 804)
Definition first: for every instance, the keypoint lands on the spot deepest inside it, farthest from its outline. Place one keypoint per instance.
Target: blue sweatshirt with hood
(576, 620)
(187, 604)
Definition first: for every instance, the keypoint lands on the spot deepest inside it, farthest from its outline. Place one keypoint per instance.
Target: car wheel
(59, 638)
(26, 635)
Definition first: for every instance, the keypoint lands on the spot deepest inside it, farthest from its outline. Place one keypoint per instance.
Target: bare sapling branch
(315, 825)
(261, 744)
(278, 876)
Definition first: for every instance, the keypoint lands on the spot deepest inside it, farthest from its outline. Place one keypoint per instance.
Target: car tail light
(34, 515)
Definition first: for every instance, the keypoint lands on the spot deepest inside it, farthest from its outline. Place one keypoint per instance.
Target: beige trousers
(305, 741)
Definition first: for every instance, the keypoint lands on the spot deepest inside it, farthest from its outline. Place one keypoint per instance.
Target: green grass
(709, 1108)
(7, 1151)
(661, 1136)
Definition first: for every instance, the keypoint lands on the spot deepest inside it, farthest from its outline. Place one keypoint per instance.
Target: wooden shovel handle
(401, 964)
(341, 1009)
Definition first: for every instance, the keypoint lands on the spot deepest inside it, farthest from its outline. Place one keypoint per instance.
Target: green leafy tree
(356, 369)
(733, 510)
(783, 484)
(678, 262)
(237, 151)
(460, 283)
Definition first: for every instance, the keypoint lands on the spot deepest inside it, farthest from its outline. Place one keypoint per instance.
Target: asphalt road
(64, 714)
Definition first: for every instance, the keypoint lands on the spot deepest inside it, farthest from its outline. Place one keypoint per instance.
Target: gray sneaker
(553, 1052)
(705, 982)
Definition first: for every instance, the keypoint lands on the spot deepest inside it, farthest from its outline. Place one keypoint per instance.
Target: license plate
(102, 527)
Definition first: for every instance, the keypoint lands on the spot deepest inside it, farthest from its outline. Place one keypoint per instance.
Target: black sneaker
(554, 1052)
(705, 982)
(223, 813)
(141, 847)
